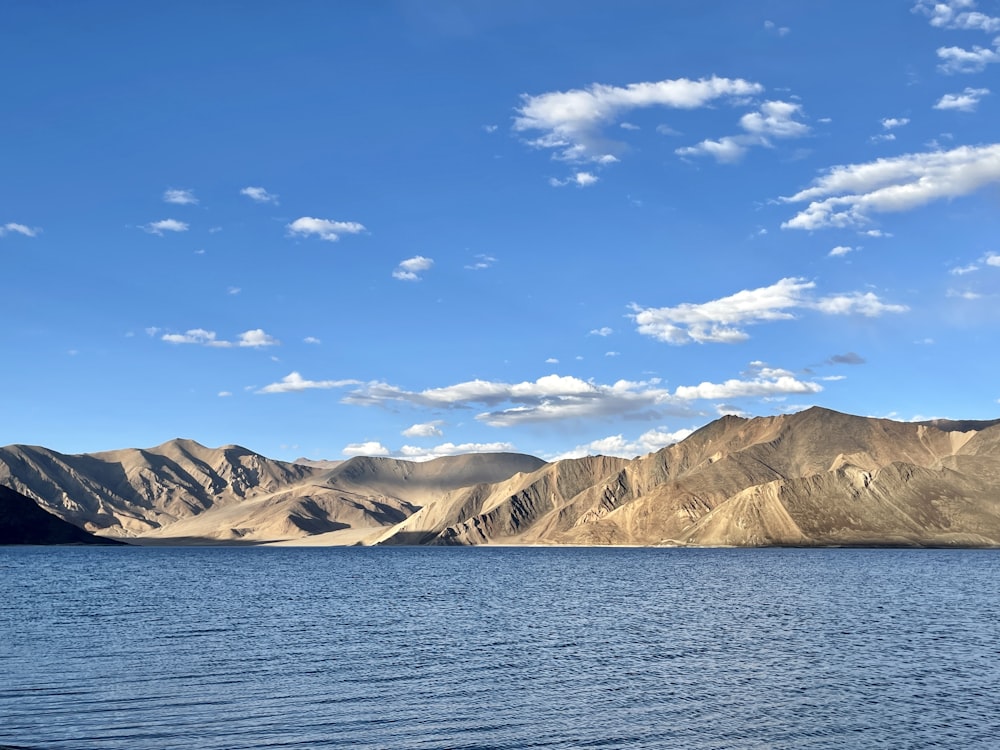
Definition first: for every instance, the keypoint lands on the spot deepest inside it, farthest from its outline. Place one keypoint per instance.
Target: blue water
(232, 648)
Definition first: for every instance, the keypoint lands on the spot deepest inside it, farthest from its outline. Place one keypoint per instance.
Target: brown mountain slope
(791, 479)
(133, 491)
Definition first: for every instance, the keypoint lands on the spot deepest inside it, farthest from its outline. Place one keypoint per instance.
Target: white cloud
(371, 448)
(165, 225)
(612, 354)
(490, 128)
(580, 179)
(552, 361)
(722, 320)
(311, 340)
(411, 268)
(604, 331)
(846, 195)
(225, 394)
(628, 126)
(890, 123)
(415, 453)
(325, 229)
(967, 101)
(774, 119)
(257, 339)
(992, 259)
(766, 383)
(666, 130)
(233, 290)
(883, 137)
(727, 150)
(571, 121)
(876, 233)
(425, 429)
(959, 60)
(968, 295)
(956, 14)
(617, 445)
(259, 195)
(179, 197)
(962, 270)
(294, 382)
(195, 336)
(857, 303)
(550, 398)
(481, 263)
(202, 337)
(18, 229)
(774, 28)
(839, 251)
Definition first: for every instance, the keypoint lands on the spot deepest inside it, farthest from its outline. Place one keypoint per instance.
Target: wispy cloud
(481, 263)
(311, 340)
(259, 195)
(179, 197)
(571, 123)
(255, 338)
(850, 358)
(840, 251)
(722, 321)
(967, 101)
(776, 29)
(604, 331)
(580, 179)
(774, 119)
(164, 225)
(19, 229)
(325, 229)
(293, 382)
(411, 268)
(846, 195)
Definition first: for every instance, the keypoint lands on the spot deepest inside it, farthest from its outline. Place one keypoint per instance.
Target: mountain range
(814, 478)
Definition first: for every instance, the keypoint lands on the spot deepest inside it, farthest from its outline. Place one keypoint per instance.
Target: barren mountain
(813, 478)
(22, 521)
(184, 491)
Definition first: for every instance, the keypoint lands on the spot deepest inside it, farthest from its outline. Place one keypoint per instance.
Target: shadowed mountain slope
(23, 522)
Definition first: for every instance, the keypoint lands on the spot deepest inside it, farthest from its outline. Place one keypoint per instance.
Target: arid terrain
(815, 478)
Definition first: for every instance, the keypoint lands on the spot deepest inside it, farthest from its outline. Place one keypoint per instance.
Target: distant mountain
(813, 478)
(23, 522)
(817, 477)
(183, 491)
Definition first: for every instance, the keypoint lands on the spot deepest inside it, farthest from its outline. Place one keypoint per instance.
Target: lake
(251, 647)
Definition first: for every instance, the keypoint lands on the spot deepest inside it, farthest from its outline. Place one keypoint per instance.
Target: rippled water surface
(231, 648)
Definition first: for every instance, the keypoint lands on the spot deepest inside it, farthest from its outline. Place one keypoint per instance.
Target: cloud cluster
(411, 268)
(416, 453)
(722, 321)
(259, 195)
(165, 225)
(774, 119)
(957, 14)
(617, 445)
(571, 122)
(179, 197)
(481, 263)
(846, 195)
(967, 101)
(325, 229)
(255, 338)
(18, 229)
(580, 179)
(559, 397)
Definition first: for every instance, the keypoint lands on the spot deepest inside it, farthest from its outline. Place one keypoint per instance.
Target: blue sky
(421, 228)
